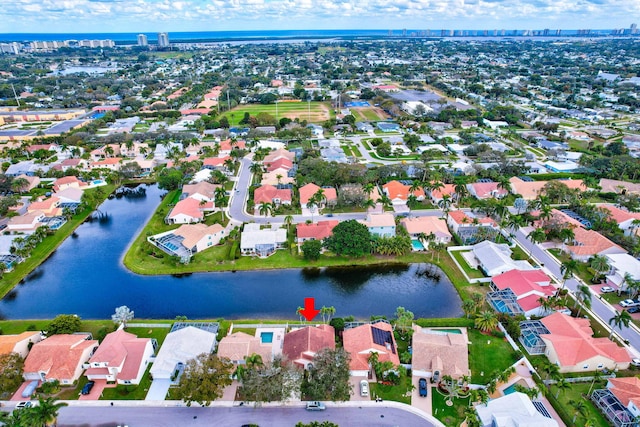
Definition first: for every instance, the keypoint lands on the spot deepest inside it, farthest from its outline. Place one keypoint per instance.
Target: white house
(262, 242)
(515, 409)
(621, 265)
(495, 258)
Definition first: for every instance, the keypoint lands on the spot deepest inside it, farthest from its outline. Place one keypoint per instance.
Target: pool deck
(278, 339)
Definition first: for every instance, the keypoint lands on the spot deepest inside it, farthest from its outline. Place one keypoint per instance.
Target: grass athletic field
(369, 114)
(314, 112)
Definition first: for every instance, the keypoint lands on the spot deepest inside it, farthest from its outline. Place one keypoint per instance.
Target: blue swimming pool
(98, 182)
(417, 245)
(510, 389)
(266, 337)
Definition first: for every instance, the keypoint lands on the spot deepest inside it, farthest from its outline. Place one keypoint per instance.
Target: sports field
(368, 114)
(314, 112)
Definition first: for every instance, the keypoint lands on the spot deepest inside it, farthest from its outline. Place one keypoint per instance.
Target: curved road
(142, 416)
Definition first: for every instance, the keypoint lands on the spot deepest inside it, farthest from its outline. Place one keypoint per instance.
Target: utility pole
(15, 94)
(228, 101)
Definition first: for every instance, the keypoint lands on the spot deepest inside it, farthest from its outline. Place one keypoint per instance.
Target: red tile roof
(397, 190)
(307, 191)
(448, 189)
(302, 344)
(487, 190)
(190, 207)
(359, 343)
(317, 231)
(590, 242)
(215, 161)
(121, 348)
(281, 163)
(267, 193)
(619, 215)
(573, 341)
(626, 390)
(58, 356)
(459, 216)
(523, 282)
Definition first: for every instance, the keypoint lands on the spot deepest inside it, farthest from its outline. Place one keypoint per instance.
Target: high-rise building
(142, 40)
(163, 40)
(634, 29)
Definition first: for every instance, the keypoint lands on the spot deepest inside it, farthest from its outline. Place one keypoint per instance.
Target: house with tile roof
(301, 345)
(215, 163)
(50, 207)
(458, 220)
(587, 243)
(27, 223)
(112, 164)
(281, 163)
(228, 145)
(200, 191)
(436, 194)
(277, 177)
(486, 190)
(625, 392)
(68, 182)
(121, 357)
(280, 153)
(315, 231)
(189, 211)
(188, 239)
(629, 222)
(439, 351)
(427, 225)
(59, 357)
(329, 194)
(70, 195)
(381, 225)
(102, 152)
(570, 345)
(399, 192)
(19, 343)
(557, 217)
(271, 194)
(619, 187)
(529, 190)
(525, 288)
(238, 346)
(363, 340)
(32, 182)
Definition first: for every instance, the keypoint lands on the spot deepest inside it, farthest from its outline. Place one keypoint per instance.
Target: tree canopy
(204, 379)
(64, 324)
(329, 377)
(270, 382)
(350, 238)
(11, 366)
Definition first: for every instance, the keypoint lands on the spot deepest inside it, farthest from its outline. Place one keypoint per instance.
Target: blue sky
(72, 16)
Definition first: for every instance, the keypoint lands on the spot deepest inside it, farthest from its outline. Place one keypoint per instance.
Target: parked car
(436, 377)
(87, 387)
(629, 303)
(315, 406)
(422, 387)
(364, 388)
(606, 289)
(22, 405)
(635, 362)
(633, 310)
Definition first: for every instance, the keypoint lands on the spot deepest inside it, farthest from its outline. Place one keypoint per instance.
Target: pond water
(85, 276)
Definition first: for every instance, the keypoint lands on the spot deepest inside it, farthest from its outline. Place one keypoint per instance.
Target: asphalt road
(599, 307)
(233, 417)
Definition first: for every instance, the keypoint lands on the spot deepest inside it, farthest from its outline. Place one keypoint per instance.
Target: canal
(85, 276)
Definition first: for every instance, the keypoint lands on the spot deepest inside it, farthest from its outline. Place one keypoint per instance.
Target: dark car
(87, 387)
(422, 387)
(633, 310)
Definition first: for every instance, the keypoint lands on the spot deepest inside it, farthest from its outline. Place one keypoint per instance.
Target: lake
(85, 276)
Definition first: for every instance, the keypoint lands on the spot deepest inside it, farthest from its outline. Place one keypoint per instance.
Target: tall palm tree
(566, 235)
(45, 413)
(288, 220)
(486, 321)
(620, 319)
(469, 307)
(265, 208)
(538, 235)
(600, 264)
(445, 203)
(568, 269)
(580, 408)
(583, 298)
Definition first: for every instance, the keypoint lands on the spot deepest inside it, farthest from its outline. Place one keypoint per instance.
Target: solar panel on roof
(541, 408)
(383, 338)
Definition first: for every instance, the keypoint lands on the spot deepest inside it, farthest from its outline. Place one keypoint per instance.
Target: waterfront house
(361, 341)
(427, 225)
(495, 258)
(301, 345)
(436, 350)
(68, 182)
(380, 225)
(262, 242)
(188, 211)
(59, 357)
(122, 357)
(19, 343)
(201, 191)
(238, 346)
(520, 291)
(314, 231)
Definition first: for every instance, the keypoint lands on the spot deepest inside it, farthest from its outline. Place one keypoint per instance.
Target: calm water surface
(85, 276)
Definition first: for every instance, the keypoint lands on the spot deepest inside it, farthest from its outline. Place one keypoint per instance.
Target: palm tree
(580, 408)
(620, 319)
(445, 203)
(299, 311)
(600, 264)
(265, 208)
(566, 235)
(486, 321)
(538, 235)
(288, 220)
(552, 370)
(45, 413)
(327, 313)
(583, 297)
(562, 385)
(546, 304)
(597, 376)
(469, 307)
(568, 268)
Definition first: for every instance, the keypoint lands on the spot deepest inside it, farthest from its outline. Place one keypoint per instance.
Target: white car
(635, 362)
(364, 388)
(606, 289)
(629, 303)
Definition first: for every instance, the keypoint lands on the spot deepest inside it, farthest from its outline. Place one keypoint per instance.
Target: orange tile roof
(458, 216)
(8, 342)
(619, 215)
(239, 345)
(556, 216)
(359, 343)
(590, 243)
(215, 161)
(227, 146)
(573, 341)
(277, 154)
(448, 189)
(626, 390)
(281, 163)
(190, 207)
(426, 225)
(307, 191)
(300, 343)
(192, 233)
(58, 356)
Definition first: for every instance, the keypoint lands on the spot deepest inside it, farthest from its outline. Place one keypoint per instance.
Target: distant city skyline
(104, 16)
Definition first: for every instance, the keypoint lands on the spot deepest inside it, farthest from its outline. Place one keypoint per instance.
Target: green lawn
(356, 152)
(320, 111)
(584, 271)
(129, 392)
(473, 273)
(158, 333)
(46, 248)
(449, 415)
(399, 393)
(369, 114)
(566, 411)
(366, 145)
(488, 354)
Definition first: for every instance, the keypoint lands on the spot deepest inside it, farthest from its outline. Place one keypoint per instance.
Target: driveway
(422, 403)
(158, 389)
(96, 390)
(355, 386)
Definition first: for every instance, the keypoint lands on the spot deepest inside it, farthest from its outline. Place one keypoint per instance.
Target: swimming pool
(449, 331)
(512, 387)
(266, 337)
(417, 245)
(98, 182)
